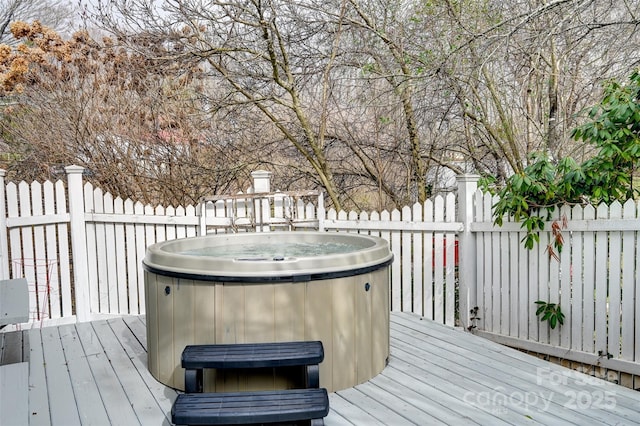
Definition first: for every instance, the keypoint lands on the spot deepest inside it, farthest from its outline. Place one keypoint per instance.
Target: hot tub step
(292, 405)
(195, 358)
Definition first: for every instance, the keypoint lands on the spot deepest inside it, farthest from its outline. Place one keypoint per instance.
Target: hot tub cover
(181, 258)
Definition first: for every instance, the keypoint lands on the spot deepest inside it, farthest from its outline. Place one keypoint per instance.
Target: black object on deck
(195, 358)
(292, 405)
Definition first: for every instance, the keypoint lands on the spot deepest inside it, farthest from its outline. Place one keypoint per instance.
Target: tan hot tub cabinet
(342, 300)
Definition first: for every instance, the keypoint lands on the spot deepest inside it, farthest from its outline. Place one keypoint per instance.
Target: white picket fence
(595, 281)
(81, 251)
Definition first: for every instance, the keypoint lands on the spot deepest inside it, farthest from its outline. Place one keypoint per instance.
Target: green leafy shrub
(614, 129)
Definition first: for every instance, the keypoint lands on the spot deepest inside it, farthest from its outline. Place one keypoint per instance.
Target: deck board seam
(520, 388)
(478, 393)
(604, 417)
(163, 405)
(372, 389)
(445, 411)
(141, 403)
(446, 342)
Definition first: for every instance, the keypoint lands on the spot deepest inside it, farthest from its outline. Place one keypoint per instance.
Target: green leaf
(550, 312)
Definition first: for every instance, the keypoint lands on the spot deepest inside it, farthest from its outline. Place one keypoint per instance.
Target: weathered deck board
(63, 407)
(38, 394)
(96, 373)
(142, 402)
(14, 384)
(503, 381)
(90, 407)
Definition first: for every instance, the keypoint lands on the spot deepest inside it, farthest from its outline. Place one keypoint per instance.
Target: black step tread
(250, 407)
(253, 355)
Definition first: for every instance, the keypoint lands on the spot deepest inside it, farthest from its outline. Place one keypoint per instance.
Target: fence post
(202, 211)
(78, 242)
(262, 183)
(4, 245)
(321, 212)
(467, 186)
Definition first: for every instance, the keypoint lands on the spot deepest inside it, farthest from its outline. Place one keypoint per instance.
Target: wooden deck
(95, 373)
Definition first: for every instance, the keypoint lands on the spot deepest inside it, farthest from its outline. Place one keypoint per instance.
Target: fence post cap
(261, 181)
(468, 177)
(74, 169)
(261, 174)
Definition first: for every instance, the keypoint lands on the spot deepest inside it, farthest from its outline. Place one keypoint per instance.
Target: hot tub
(268, 287)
